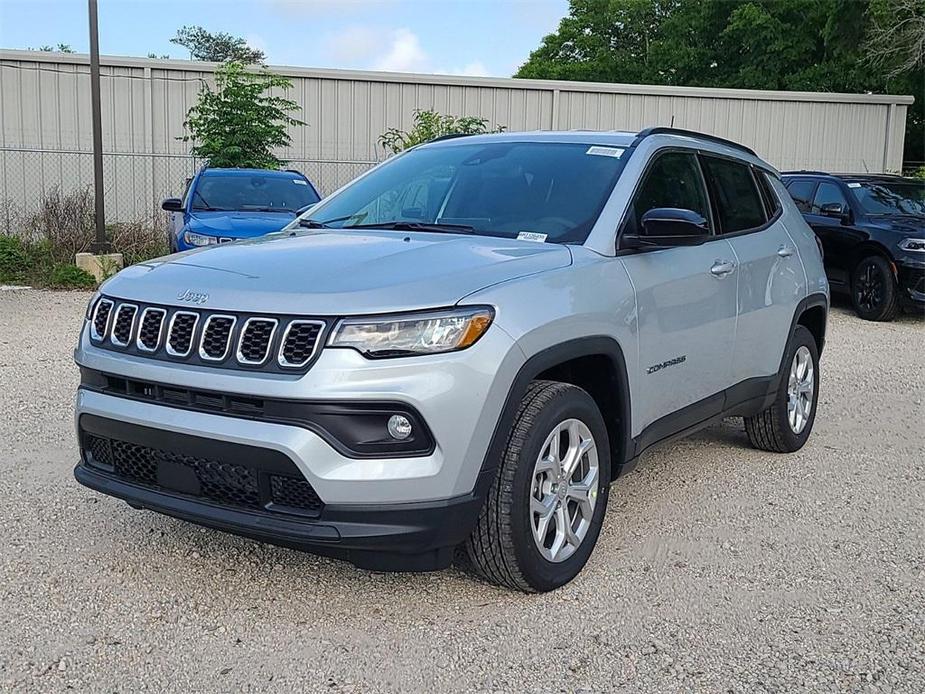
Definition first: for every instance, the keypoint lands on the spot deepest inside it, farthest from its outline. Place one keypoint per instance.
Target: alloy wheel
(563, 492)
(870, 288)
(800, 388)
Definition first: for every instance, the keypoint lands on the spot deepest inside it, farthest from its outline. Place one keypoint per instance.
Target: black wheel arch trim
(598, 345)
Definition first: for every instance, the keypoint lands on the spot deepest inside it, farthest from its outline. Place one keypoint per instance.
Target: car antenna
(866, 170)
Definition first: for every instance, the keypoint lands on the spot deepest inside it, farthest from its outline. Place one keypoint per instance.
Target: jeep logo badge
(193, 297)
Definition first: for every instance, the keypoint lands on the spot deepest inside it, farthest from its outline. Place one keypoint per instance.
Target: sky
(466, 37)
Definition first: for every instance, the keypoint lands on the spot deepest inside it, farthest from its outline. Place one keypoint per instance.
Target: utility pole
(101, 245)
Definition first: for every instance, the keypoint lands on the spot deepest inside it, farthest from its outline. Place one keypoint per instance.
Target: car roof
(250, 172)
(612, 138)
(853, 177)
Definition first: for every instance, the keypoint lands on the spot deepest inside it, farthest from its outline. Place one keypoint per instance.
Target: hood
(331, 273)
(238, 225)
(901, 225)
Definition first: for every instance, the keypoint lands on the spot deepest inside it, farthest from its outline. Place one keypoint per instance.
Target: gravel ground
(719, 568)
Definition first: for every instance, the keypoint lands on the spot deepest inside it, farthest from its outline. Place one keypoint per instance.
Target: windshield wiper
(267, 209)
(418, 226)
(326, 224)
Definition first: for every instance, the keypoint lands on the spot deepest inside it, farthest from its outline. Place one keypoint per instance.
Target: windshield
(889, 198)
(256, 193)
(541, 191)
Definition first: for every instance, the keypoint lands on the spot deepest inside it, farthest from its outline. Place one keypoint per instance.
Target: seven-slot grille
(205, 337)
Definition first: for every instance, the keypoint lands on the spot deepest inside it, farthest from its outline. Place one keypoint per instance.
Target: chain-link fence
(133, 184)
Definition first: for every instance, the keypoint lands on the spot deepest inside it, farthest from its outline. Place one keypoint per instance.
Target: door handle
(721, 268)
(785, 251)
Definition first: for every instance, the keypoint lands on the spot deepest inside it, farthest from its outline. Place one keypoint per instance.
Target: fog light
(399, 427)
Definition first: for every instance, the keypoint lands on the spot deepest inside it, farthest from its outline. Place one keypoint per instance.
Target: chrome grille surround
(247, 335)
(171, 350)
(117, 330)
(143, 327)
(229, 334)
(285, 343)
(101, 312)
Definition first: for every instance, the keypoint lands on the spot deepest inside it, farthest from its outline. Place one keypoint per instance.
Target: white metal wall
(45, 134)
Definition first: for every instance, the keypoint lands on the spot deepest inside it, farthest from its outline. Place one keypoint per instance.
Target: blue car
(222, 205)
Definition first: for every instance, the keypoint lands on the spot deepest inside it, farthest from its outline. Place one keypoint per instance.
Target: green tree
(806, 45)
(429, 125)
(240, 122)
(216, 48)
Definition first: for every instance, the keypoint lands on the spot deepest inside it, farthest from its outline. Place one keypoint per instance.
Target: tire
(773, 429)
(874, 293)
(503, 548)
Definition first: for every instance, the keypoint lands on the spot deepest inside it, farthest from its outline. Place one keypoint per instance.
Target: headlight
(413, 333)
(90, 304)
(913, 245)
(199, 239)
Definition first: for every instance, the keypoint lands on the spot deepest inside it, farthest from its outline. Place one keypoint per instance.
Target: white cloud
(354, 45)
(404, 54)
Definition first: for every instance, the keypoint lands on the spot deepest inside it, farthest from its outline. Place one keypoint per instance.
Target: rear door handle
(721, 268)
(785, 251)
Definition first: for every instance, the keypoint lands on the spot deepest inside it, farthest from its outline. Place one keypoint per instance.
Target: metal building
(45, 134)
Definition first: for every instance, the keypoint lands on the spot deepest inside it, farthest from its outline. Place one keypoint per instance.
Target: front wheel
(785, 426)
(873, 289)
(545, 508)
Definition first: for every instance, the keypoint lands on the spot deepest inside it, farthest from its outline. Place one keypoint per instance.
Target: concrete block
(100, 266)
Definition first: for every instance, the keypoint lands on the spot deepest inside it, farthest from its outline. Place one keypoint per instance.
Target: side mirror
(172, 205)
(666, 227)
(834, 209)
(305, 208)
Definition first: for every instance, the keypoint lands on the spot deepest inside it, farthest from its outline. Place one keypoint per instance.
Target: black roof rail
(451, 136)
(805, 172)
(664, 130)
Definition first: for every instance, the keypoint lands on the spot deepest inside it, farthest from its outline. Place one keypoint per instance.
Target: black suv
(872, 229)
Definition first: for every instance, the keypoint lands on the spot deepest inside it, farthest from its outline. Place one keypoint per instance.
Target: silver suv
(464, 347)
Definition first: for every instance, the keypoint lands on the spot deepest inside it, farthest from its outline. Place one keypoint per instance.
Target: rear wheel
(785, 426)
(873, 289)
(545, 508)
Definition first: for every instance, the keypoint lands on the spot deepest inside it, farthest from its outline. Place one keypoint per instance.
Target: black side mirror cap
(172, 205)
(836, 210)
(667, 227)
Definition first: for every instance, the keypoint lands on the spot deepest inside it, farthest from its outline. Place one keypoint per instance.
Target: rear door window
(801, 190)
(739, 206)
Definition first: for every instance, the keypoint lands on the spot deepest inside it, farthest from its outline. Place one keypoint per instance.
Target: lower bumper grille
(222, 482)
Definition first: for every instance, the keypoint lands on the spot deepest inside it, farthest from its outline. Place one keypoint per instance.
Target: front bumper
(911, 279)
(406, 537)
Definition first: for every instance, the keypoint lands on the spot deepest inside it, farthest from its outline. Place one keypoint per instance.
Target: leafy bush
(65, 221)
(240, 123)
(15, 262)
(919, 173)
(70, 277)
(429, 125)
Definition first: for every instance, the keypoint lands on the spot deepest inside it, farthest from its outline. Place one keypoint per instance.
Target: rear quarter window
(739, 204)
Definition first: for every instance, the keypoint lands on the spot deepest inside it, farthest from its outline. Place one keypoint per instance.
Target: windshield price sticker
(599, 151)
(299, 181)
(854, 185)
(531, 236)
